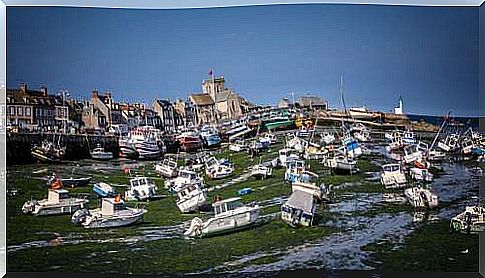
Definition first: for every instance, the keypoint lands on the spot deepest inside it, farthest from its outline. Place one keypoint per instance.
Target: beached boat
(70, 182)
(285, 155)
(450, 143)
(421, 174)
(48, 152)
(300, 209)
(218, 171)
(99, 153)
(210, 136)
(294, 168)
(392, 176)
(421, 197)
(230, 215)
(471, 221)
(238, 131)
(58, 202)
(141, 189)
(412, 153)
(145, 144)
(127, 148)
(341, 164)
(103, 189)
(113, 213)
(271, 138)
(327, 138)
(352, 147)
(189, 141)
(409, 138)
(238, 146)
(184, 177)
(191, 196)
(307, 182)
(436, 155)
(261, 171)
(167, 168)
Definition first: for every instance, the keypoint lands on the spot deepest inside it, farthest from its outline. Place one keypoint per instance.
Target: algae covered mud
(363, 226)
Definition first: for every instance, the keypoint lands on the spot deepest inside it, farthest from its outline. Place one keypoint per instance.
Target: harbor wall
(77, 146)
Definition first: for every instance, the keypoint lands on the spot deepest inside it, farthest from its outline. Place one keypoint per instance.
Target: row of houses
(36, 108)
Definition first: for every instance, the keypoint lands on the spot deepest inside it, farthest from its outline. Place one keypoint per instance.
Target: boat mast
(437, 134)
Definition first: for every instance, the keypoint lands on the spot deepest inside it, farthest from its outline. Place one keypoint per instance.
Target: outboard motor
(80, 216)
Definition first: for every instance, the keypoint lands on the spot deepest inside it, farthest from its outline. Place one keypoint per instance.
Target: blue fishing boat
(104, 189)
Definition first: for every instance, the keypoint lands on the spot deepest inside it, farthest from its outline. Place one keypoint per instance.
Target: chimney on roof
(95, 93)
(23, 88)
(43, 90)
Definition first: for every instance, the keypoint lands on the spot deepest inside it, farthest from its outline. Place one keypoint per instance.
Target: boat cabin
(169, 163)
(211, 162)
(57, 195)
(187, 190)
(110, 205)
(391, 168)
(307, 177)
(299, 209)
(189, 175)
(227, 205)
(141, 181)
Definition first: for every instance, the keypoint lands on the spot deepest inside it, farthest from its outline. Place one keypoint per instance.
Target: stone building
(216, 102)
(169, 117)
(36, 109)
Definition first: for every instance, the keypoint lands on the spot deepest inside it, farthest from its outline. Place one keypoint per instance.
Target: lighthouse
(398, 110)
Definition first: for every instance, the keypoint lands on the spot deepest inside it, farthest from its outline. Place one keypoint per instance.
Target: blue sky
(429, 55)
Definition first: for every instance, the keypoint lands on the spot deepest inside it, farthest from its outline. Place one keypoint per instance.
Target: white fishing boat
(327, 138)
(261, 171)
(127, 147)
(471, 221)
(238, 132)
(145, 143)
(167, 168)
(341, 164)
(141, 189)
(392, 176)
(421, 197)
(58, 202)
(184, 177)
(113, 213)
(352, 147)
(307, 182)
(210, 136)
(215, 170)
(450, 143)
(99, 153)
(300, 209)
(294, 168)
(271, 138)
(421, 174)
(315, 152)
(229, 215)
(191, 196)
(285, 155)
(409, 138)
(412, 153)
(467, 145)
(238, 146)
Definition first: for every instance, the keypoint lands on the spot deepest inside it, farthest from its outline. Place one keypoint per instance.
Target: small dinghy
(113, 213)
(421, 197)
(104, 189)
(471, 221)
(58, 202)
(392, 177)
(230, 215)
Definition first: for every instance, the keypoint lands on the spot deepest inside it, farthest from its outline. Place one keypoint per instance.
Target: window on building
(27, 111)
(20, 111)
(11, 110)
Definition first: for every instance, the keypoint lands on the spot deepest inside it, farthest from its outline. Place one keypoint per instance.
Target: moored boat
(113, 213)
(58, 202)
(230, 215)
(471, 221)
